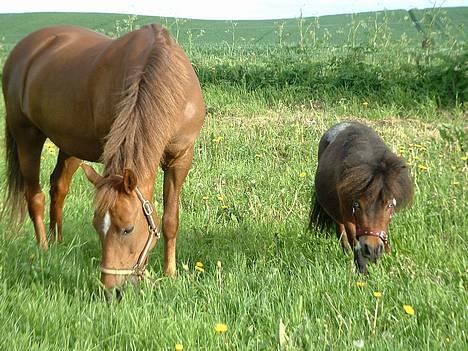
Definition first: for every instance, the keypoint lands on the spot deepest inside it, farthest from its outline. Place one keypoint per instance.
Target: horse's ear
(91, 174)
(129, 181)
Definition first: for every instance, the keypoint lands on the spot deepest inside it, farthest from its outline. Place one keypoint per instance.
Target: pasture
(245, 204)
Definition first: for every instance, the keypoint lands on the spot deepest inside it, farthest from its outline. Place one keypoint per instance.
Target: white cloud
(212, 9)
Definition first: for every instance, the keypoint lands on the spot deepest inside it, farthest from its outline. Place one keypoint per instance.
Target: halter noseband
(381, 234)
(153, 233)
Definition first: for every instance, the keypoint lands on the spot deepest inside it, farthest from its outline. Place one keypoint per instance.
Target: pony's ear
(91, 174)
(129, 181)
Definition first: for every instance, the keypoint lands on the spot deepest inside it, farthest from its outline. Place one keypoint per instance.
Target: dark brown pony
(359, 184)
(132, 103)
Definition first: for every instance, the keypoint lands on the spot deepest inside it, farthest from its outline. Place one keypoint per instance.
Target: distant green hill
(334, 30)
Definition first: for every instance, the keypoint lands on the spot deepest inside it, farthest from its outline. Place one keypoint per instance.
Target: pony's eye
(392, 204)
(128, 230)
(355, 204)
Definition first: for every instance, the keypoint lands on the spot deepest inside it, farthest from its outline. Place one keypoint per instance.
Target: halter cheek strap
(153, 234)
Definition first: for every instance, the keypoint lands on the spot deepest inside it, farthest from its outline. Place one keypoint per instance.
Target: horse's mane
(144, 120)
(378, 179)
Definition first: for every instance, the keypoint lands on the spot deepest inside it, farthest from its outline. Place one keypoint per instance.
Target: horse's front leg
(174, 177)
(343, 237)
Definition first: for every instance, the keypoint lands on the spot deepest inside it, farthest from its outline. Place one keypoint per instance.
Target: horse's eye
(355, 205)
(128, 230)
(392, 204)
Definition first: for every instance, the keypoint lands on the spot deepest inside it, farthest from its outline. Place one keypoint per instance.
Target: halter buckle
(147, 208)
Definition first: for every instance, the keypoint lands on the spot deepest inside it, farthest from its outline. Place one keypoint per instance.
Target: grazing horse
(359, 184)
(133, 104)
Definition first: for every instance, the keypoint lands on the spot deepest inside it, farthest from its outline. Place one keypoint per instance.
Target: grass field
(245, 205)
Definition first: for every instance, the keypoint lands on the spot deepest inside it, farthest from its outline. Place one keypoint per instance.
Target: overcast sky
(219, 9)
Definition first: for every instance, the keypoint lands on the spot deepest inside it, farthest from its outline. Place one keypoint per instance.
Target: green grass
(272, 269)
(268, 107)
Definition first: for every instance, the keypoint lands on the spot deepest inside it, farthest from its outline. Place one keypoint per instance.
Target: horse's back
(48, 42)
(69, 81)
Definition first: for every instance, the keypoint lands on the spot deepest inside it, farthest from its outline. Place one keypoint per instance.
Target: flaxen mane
(153, 97)
(379, 180)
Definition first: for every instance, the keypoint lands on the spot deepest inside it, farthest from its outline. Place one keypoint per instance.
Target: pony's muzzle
(367, 249)
(372, 251)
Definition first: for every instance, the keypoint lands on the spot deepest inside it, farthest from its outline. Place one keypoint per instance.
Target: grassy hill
(335, 30)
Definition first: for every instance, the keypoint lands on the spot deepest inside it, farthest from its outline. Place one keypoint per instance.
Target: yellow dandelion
(220, 197)
(205, 197)
(179, 347)
(409, 309)
(51, 151)
(199, 264)
(455, 183)
(199, 269)
(360, 284)
(423, 167)
(464, 158)
(218, 264)
(365, 104)
(302, 174)
(221, 328)
(377, 294)
(218, 139)
(224, 207)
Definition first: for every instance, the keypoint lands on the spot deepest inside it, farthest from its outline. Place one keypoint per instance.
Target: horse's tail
(318, 218)
(15, 204)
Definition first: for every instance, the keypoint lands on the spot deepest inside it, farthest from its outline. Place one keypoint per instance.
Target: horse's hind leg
(175, 172)
(60, 180)
(29, 142)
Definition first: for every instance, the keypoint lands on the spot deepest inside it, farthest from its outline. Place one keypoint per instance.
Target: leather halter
(153, 233)
(381, 234)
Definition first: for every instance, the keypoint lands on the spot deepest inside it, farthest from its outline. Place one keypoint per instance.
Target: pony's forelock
(380, 181)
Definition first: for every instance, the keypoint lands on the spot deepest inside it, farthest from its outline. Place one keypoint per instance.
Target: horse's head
(370, 193)
(371, 220)
(125, 226)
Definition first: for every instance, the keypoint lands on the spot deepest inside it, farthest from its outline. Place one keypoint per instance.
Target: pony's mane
(153, 96)
(378, 180)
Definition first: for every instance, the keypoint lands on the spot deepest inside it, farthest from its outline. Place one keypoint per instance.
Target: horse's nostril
(366, 251)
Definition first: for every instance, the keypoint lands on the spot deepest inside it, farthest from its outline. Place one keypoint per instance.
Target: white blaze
(106, 222)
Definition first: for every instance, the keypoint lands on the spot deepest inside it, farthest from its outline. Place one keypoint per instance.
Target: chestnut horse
(132, 103)
(359, 184)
